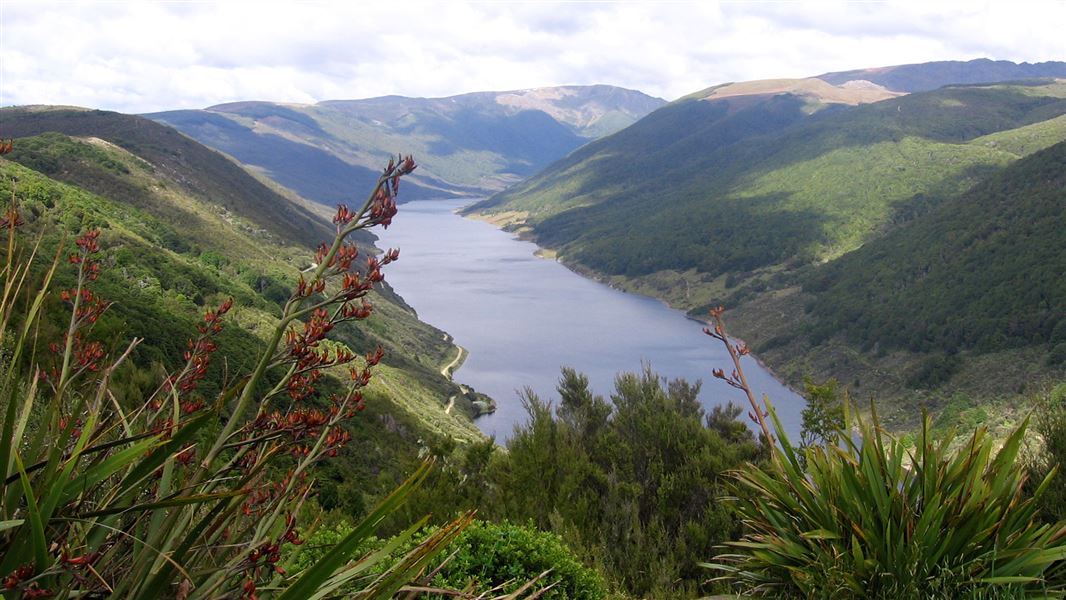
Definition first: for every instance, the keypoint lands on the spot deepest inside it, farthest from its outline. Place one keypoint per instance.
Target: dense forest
(983, 272)
(634, 483)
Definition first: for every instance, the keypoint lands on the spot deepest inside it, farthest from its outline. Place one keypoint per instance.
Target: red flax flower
(197, 356)
(372, 359)
(11, 218)
(351, 311)
(343, 217)
(345, 256)
(17, 576)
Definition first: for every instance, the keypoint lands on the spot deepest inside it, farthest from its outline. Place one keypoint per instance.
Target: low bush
(870, 517)
(506, 556)
(867, 515)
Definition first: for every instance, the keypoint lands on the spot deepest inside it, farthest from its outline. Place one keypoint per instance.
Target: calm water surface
(522, 318)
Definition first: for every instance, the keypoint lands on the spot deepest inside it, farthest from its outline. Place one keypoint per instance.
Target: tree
(823, 416)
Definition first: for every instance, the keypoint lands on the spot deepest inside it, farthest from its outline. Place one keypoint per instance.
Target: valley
(522, 319)
(754, 202)
(472, 144)
(496, 377)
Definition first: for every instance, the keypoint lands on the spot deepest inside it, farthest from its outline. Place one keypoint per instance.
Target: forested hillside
(748, 199)
(983, 271)
(958, 308)
(735, 186)
(183, 228)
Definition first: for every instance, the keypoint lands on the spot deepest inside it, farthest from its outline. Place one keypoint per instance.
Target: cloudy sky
(140, 56)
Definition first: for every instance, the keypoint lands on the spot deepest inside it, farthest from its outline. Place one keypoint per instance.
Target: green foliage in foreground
(485, 558)
(634, 484)
(186, 491)
(169, 253)
(489, 555)
(1050, 423)
(871, 517)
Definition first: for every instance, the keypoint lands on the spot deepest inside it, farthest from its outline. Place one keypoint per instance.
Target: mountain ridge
(165, 148)
(923, 77)
(473, 143)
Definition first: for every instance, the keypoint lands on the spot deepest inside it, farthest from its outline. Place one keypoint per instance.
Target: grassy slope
(172, 250)
(817, 186)
(963, 306)
(198, 170)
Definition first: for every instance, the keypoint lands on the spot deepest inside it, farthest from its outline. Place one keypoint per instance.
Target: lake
(522, 318)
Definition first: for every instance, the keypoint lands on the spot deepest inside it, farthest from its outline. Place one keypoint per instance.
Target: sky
(143, 56)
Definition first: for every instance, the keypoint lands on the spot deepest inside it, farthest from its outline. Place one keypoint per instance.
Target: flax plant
(176, 496)
(868, 516)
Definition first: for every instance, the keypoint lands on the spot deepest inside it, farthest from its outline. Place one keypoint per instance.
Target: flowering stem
(738, 379)
(68, 349)
(290, 313)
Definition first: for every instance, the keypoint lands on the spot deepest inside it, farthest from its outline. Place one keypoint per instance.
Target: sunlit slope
(960, 310)
(923, 77)
(171, 250)
(726, 186)
(196, 170)
(984, 271)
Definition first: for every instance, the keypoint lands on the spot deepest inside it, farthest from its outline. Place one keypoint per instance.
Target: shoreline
(524, 233)
(448, 370)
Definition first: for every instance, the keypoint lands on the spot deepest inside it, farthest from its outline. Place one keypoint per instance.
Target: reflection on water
(523, 318)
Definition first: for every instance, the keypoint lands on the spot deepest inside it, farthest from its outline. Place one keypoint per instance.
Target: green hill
(982, 272)
(195, 169)
(780, 207)
(960, 310)
(740, 184)
(176, 239)
(473, 144)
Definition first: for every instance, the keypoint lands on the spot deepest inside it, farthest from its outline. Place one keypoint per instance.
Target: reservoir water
(522, 318)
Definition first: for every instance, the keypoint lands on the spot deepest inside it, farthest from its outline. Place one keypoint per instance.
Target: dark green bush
(869, 517)
(508, 555)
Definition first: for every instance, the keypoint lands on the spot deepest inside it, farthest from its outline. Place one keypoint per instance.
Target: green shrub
(507, 555)
(1050, 423)
(871, 518)
(487, 559)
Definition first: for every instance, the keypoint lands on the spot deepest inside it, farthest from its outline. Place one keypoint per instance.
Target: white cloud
(144, 56)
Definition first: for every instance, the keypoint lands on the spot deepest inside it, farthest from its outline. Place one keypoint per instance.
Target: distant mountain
(929, 76)
(471, 144)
